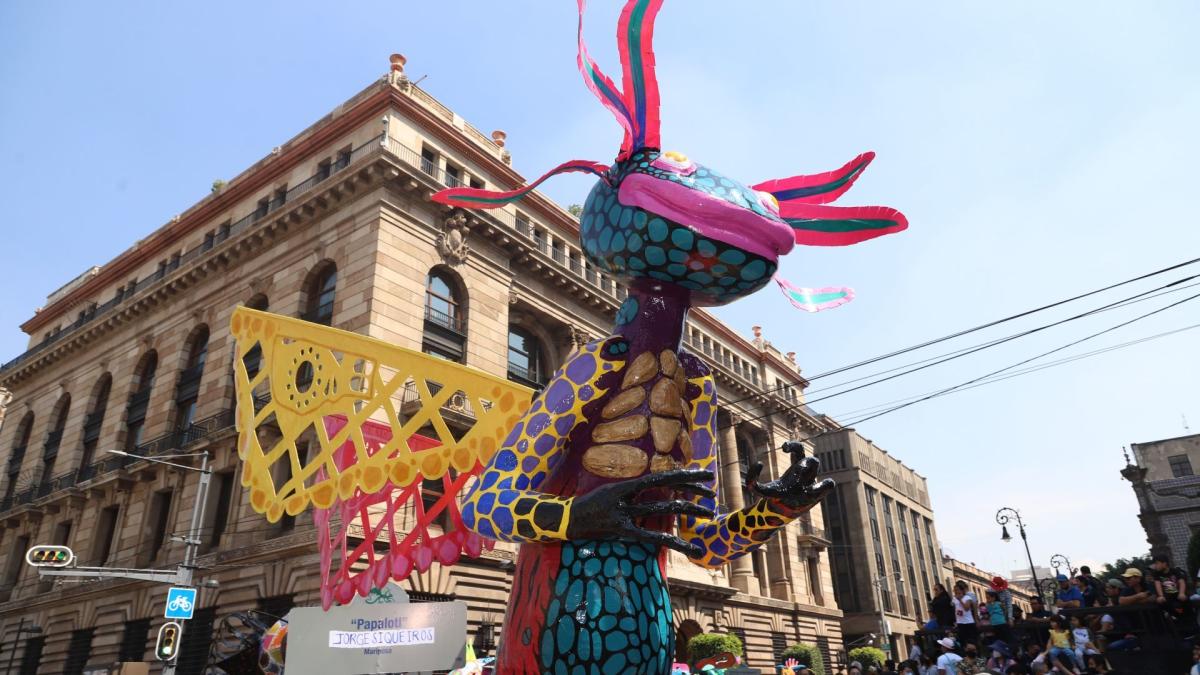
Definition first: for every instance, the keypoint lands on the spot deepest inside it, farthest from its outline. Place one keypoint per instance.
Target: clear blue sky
(1038, 149)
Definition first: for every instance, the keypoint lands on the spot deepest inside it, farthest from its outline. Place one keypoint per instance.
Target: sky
(1039, 150)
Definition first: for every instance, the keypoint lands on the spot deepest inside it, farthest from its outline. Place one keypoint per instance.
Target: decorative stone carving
(452, 241)
(578, 336)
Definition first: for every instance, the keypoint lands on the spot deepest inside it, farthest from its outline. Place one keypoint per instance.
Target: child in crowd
(1084, 641)
(996, 616)
(1058, 648)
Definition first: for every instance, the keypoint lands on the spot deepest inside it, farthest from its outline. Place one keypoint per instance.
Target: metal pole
(16, 642)
(883, 637)
(191, 551)
(1032, 571)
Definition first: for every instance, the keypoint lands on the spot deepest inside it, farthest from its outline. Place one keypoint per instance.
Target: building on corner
(1162, 474)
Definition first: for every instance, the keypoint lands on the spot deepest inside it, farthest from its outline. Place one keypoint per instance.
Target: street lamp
(1006, 514)
(885, 637)
(21, 628)
(1059, 560)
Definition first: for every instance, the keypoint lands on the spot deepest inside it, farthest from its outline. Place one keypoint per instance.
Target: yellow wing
(292, 375)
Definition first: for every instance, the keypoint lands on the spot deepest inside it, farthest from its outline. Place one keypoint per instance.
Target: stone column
(778, 569)
(742, 569)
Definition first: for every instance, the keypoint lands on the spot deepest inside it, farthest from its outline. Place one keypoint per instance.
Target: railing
(223, 232)
(174, 440)
(453, 322)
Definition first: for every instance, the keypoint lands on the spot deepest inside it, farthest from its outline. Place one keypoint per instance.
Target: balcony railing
(223, 233)
(175, 440)
(453, 322)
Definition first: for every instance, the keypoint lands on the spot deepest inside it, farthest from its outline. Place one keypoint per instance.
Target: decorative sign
(181, 603)
(377, 637)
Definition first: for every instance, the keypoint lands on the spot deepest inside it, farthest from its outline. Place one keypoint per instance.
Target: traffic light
(50, 556)
(167, 645)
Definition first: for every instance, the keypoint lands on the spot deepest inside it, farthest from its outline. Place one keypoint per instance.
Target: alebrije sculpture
(612, 464)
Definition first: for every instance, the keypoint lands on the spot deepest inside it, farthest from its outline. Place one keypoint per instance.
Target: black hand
(608, 511)
(796, 490)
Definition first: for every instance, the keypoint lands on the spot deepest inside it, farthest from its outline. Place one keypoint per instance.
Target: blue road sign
(181, 603)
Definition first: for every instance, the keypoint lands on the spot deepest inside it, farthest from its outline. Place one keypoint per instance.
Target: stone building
(1168, 493)
(979, 580)
(334, 226)
(880, 530)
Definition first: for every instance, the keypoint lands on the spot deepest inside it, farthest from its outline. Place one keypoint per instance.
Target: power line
(1000, 321)
(1033, 369)
(956, 387)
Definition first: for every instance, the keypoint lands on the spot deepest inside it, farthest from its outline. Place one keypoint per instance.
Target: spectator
(1037, 610)
(1083, 639)
(1135, 590)
(927, 666)
(889, 667)
(972, 663)
(933, 625)
(942, 607)
(965, 607)
(1069, 596)
(1170, 587)
(947, 663)
(855, 668)
(916, 652)
(1001, 659)
(1096, 664)
(909, 667)
(1058, 647)
(1031, 655)
(1195, 660)
(997, 618)
(1018, 614)
(1093, 588)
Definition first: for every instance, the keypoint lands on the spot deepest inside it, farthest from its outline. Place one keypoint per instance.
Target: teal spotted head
(658, 215)
(664, 217)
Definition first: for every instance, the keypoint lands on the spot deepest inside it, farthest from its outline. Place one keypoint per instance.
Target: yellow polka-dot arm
(505, 503)
(729, 535)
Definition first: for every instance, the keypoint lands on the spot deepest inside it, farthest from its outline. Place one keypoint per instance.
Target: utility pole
(885, 637)
(184, 572)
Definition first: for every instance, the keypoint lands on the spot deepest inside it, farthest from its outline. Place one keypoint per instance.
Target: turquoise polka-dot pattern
(610, 613)
(632, 243)
(627, 312)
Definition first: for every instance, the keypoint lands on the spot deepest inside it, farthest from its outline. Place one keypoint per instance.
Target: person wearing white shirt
(947, 663)
(965, 606)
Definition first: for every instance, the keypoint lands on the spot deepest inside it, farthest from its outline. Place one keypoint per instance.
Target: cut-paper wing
(292, 375)
(815, 299)
(417, 523)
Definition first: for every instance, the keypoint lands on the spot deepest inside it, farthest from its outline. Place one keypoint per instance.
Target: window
(93, 424)
(429, 161)
(106, 531)
(187, 391)
(133, 640)
(157, 523)
(321, 291)
(323, 170)
(223, 484)
(135, 412)
(814, 579)
(17, 456)
(193, 652)
(1180, 466)
(880, 568)
(277, 606)
(31, 661)
(78, 651)
(280, 197)
(264, 205)
(476, 183)
(253, 357)
(54, 438)
(281, 474)
(524, 358)
(453, 176)
(445, 317)
(13, 566)
(746, 457)
(343, 159)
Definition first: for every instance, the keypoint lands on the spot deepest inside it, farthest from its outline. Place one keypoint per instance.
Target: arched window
(445, 316)
(17, 456)
(187, 391)
(54, 439)
(92, 425)
(139, 400)
(320, 295)
(525, 358)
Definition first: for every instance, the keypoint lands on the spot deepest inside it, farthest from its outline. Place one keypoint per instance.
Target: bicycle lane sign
(181, 603)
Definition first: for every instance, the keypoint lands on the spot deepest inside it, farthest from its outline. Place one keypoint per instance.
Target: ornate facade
(336, 227)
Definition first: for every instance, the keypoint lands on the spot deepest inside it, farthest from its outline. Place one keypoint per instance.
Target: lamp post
(885, 637)
(21, 628)
(1003, 516)
(1059, 560)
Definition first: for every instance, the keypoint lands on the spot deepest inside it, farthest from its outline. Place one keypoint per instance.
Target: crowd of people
(967, 635)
